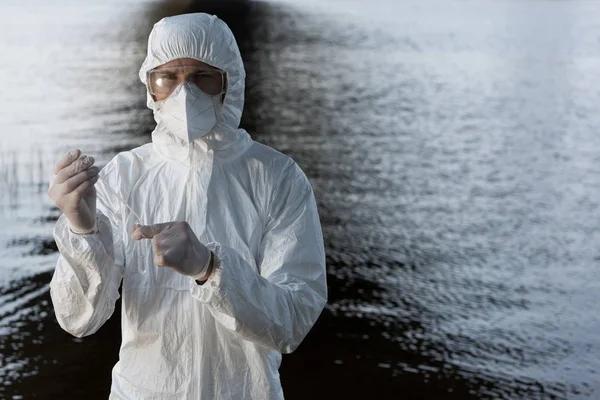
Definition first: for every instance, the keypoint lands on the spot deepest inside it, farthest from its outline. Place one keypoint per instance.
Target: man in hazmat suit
(227, 269)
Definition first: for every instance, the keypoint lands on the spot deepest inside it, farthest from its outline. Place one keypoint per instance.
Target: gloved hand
(176, 246)
(72, 190)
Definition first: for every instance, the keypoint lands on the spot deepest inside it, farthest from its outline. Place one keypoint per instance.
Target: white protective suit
(252, 206)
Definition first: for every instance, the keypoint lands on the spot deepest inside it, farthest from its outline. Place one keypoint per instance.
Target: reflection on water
(452, 150)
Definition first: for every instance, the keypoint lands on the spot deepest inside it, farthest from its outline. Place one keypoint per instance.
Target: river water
(452, 146)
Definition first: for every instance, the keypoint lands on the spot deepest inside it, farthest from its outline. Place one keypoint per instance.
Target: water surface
(451, 145)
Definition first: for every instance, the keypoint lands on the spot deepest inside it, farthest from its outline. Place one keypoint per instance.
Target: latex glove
(72, 190)
(176, 246)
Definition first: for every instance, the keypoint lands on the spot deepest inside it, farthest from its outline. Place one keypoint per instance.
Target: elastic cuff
(204, 269)
(209, 292)
(84, 232)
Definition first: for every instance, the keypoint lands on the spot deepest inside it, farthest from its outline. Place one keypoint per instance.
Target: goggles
(162, 81)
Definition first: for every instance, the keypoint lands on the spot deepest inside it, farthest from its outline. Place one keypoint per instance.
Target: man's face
(166, 77)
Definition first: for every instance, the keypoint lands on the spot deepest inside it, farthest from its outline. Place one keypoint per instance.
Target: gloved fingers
(165, 236)
(159, 257)
(148, 231)
(159, 261)
(169, 239)
(66, 160)
(81, 164)
(73, 183)
(164, 257)
(84, 187)
(65, 173)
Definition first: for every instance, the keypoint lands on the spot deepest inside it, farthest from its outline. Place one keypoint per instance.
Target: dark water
(453, 150)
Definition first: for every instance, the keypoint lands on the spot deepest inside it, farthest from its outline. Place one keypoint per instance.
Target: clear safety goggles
(161, 82)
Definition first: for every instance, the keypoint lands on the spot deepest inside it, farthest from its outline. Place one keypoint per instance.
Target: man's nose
(186, 78)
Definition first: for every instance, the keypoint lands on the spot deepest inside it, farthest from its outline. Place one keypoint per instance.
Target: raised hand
(72, 190)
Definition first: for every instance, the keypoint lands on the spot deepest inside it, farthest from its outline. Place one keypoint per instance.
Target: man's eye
(205, 77)
(166, 77)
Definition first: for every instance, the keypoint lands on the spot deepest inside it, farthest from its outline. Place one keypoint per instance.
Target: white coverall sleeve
(85, 284)
(277, 306)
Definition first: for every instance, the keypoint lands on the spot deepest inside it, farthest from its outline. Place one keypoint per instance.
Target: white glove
(72, 190)
(176, 246)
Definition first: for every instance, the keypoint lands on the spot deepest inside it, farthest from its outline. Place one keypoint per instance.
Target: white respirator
(188, 112)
